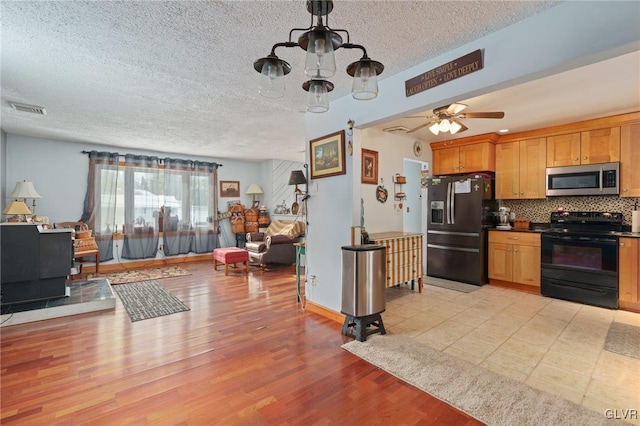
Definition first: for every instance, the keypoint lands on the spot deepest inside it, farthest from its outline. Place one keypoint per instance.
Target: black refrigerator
(461, 209)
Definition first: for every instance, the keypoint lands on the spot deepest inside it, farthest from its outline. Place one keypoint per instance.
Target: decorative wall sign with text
(457, 68)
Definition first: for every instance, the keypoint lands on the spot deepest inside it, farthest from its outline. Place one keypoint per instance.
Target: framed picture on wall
(229, 188)
(369, 166)
(327, 156)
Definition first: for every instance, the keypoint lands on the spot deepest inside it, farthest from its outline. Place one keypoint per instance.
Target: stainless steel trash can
(363, 280)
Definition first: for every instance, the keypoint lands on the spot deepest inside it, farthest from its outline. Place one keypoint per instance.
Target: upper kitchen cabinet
(468, 155)
(629, 170)
(587, 147)
(520, 169)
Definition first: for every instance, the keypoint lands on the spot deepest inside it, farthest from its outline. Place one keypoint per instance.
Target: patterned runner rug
(137, 275)
(147, 299)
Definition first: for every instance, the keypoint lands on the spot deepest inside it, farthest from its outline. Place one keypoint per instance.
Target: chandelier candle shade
(320, 42)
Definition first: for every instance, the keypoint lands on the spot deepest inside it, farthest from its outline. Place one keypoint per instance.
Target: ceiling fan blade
(497, 114)
(456, 108)
(415, 129)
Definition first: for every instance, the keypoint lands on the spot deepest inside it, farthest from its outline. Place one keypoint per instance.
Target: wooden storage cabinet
(514, 257)
(404, 256)
(475, 157)
(629, 160)
(520, 169)
(588, 147)
(629, 274)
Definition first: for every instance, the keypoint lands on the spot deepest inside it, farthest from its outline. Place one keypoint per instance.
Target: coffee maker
(504, 215)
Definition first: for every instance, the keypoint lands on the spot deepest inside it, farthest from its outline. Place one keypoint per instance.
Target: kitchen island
(403, 255)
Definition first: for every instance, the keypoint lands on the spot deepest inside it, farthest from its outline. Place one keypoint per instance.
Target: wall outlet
(312, 279)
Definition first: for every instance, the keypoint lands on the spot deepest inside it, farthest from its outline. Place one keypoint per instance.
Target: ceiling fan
(447, 119)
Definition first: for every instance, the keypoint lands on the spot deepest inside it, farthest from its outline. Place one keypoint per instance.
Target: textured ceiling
(178, 77)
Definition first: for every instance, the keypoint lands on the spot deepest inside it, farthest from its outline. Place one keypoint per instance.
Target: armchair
(275, 245)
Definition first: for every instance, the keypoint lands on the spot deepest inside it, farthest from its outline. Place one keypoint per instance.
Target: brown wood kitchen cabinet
(629, 274)
(520, 169)
(629, 160)
(514, 257)
(468, 155)
(587, 147)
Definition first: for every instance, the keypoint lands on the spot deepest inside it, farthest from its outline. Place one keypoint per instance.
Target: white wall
(59, 171)
(392, 149)
(567, 36)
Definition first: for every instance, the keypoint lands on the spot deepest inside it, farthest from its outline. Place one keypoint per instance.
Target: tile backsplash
(540, 210)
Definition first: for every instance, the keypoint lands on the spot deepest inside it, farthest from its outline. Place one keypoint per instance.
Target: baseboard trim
(515, 286)
(325, 312)
(151, 263)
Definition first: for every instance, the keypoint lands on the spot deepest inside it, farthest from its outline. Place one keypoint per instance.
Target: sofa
(276, 244)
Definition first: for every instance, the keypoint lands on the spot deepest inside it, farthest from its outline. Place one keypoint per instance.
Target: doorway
(415, 206)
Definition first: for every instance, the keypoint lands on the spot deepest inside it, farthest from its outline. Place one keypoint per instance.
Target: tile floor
(553, 345)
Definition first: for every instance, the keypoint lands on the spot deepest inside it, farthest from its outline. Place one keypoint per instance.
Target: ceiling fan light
(435, 128)
(365, 81)
(445, 125)
(272, 79)
(455, 127)
(320, 61)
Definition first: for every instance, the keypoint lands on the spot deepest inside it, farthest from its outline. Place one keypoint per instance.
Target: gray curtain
(190, 209)
(100, 201)
(142, 189)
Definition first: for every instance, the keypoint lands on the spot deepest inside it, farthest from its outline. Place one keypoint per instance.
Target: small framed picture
(327, 156)
(229, 188)
(255, 205)
(369, 166)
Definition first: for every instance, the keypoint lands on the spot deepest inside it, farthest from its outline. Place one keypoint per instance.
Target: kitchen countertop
(540, 229)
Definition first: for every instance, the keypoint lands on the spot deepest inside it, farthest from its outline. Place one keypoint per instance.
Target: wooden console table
(404, 257)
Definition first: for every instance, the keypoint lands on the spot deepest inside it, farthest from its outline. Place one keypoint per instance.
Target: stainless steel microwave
(588, 179)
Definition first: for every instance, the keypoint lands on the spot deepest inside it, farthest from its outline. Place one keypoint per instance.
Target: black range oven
(580, 258)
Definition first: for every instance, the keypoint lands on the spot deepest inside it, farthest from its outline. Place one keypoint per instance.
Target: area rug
(147, 299)
(623, 339)
(136, 275)
(489, 397)
(451, 285)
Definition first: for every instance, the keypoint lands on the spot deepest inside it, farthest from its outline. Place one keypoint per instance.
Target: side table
(300, 250)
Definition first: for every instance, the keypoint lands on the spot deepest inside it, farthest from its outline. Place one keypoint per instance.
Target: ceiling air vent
(28, 108)
(396, 129)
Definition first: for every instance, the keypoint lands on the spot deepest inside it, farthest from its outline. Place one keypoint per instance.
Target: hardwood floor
(246, 353)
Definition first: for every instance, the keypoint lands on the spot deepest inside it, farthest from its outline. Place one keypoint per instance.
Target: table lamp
(17, 208)
(254, 190)
(25, 190)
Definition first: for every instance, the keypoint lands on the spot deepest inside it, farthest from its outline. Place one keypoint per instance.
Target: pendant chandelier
(320, 42)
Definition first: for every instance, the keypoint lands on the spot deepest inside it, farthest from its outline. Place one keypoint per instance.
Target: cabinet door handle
(585, 157)
(512, 238)
(522, 193)
(621, 244)
(576, 159)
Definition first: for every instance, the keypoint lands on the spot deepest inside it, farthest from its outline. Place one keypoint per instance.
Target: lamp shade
(17, 207)
(272, 79)
(320, 60)
(365, 81)
(24, 189)
(318, 98)
(254, 189)
(297, 178)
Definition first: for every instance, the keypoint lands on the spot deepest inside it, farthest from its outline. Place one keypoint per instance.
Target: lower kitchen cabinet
(629, 274)
(514, 258)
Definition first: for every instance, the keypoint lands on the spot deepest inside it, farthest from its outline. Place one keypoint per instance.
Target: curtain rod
(159, 159)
